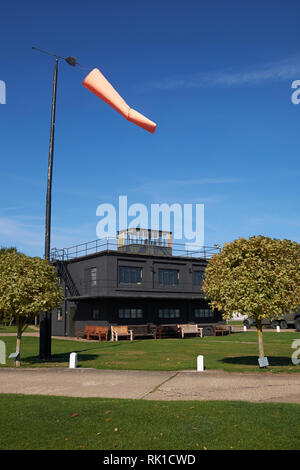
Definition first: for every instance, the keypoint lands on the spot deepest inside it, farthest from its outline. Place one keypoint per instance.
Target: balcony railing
(133, 246)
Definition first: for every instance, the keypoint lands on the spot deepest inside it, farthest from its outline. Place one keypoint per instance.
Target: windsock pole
(45, 317)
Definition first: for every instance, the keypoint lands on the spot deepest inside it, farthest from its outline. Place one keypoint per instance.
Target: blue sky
(216, 78)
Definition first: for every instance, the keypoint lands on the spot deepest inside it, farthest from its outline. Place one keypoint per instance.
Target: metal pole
(50, 165)
(45, 318)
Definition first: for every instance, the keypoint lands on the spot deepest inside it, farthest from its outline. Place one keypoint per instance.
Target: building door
(72, 322)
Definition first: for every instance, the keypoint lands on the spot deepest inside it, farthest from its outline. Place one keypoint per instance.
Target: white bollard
(245, 328)
(200, 363)
(73, 361)
(278, 329)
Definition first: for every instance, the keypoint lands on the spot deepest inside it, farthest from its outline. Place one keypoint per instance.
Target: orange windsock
(97, 84)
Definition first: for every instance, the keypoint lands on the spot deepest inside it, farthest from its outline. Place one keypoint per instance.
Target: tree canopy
(258, 277)
(28, 286)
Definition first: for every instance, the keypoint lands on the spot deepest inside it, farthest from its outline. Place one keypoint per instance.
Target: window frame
(59, 315)
(167, 313)
(127, 271)
(208, 313)
(91, 277)
(95, 313)
(131, 313)
(201, 276)
(165, 274)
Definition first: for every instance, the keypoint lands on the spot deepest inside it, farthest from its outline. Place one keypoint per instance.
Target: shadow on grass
(61, 358)
(253, 360)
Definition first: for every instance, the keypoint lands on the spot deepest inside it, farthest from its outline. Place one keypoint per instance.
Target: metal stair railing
(67, 278)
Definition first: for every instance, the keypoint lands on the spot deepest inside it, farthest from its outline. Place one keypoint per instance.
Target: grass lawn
(234, 353)
(64, 423)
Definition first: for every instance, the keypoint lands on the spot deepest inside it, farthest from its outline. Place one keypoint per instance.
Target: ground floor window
(203, 313)
(59, 314)
(96, 314)
(169, 313)
(130, 313)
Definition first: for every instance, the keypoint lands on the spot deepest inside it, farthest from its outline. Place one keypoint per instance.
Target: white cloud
(165, 190)
(20, 234)
(28, 234)
(287, 69)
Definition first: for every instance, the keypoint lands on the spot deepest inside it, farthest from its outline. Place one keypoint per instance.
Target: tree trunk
(260, 339)
(18, 348)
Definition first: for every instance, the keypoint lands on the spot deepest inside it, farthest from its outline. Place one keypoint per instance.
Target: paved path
(152, 385)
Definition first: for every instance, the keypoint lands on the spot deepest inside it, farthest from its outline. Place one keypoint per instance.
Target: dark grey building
(132, 280)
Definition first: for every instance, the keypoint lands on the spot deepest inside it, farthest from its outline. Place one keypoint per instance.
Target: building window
(198, 278)
(59, 314)
(203, 313)
(169, 313)
(168, 277)
(130, 313)
(95, 314)
(130, 274)
(91, 277)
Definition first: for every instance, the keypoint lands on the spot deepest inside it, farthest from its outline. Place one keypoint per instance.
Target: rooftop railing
(153, 247)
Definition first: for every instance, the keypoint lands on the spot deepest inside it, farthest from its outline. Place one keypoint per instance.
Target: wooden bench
(190, 329)
(221, 329)
(93, 331)
(100, 332)
(143, 330)
(121, 330)
(166, 331)
(87, 330)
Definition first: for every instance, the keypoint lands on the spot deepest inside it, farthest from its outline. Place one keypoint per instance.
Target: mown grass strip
(234, 353)
(64, 423)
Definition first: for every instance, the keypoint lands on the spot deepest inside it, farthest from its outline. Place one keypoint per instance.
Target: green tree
(3, 251)
(10, 249)
(28, 286)
(258, 277)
